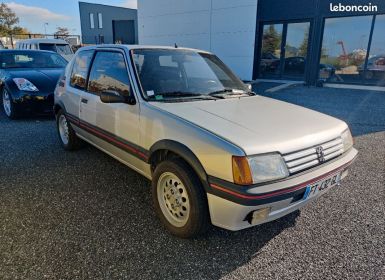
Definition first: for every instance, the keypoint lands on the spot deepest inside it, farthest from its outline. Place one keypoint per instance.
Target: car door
(114, 126)
(77, 82)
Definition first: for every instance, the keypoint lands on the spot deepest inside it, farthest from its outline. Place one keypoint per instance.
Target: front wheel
(179, 199)
(8, 106)
(68, 138)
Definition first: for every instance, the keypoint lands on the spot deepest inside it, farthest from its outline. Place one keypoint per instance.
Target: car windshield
(62, 49)
(184, 74)
(31, 59)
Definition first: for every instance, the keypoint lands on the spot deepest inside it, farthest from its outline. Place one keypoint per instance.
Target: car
(28, 79)
(215, 152)
(375, 68)
(59, 46)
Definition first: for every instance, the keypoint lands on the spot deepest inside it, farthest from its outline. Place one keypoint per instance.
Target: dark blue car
(28, 79)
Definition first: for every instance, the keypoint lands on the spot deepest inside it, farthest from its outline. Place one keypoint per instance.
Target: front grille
(304, 159)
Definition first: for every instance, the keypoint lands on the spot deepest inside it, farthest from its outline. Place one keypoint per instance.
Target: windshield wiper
(230, 92)
(180, 95)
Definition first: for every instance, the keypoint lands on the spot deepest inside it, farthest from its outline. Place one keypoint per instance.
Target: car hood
(259, 124)
(44, 79)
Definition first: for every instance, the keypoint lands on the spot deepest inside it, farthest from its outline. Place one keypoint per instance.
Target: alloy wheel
(7, 103)
(63, 129)
(173, 199)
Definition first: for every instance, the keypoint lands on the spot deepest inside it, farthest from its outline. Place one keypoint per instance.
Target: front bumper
(39, 102)
(231, 205)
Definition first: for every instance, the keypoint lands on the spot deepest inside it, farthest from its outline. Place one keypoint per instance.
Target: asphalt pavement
(83, 215)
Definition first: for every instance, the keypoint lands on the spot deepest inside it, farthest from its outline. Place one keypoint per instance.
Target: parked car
(215, 151)
(56, 45)
(375, 68)
(28, 79)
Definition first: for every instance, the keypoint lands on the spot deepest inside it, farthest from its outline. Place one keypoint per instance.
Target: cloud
(32, 13)
(133, 4)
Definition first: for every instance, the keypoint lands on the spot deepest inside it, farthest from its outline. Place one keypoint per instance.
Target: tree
(304, 45)
(271, 40)
(8, 20)
(62, 32)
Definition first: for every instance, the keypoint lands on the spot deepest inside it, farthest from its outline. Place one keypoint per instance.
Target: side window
(80, 69)
(109, 73)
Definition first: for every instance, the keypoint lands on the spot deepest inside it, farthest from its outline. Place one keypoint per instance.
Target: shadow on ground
(363, 110)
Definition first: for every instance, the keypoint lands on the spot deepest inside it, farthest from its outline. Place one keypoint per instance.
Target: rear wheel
(68, 138)
(8, 106)
(179, 199)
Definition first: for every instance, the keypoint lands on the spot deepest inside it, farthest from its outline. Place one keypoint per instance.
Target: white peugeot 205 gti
(215, 151)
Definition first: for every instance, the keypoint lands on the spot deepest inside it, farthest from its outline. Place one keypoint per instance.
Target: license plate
(322, 186)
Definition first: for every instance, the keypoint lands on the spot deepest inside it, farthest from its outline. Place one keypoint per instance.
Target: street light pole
(45, 29)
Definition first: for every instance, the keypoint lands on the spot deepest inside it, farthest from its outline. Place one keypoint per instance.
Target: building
(304, 40)
(107, 24)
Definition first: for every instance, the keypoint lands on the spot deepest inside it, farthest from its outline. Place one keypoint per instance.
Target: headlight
(347, 139)
(24, 84)
(258, 169)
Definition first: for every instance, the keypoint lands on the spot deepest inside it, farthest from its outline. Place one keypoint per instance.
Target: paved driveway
(83, 215)
(364, 111)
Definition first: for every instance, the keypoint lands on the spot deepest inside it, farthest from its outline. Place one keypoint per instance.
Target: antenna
(175, 45)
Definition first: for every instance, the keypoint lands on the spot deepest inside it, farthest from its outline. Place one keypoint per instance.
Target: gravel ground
(83, 215)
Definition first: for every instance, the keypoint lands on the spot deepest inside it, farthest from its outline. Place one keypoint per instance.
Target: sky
(33, 14)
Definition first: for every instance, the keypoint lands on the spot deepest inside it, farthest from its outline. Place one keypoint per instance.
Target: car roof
(25, 51)
(135, 47)
(43, 40)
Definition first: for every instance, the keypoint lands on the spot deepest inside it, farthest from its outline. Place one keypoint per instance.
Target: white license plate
(322, 186)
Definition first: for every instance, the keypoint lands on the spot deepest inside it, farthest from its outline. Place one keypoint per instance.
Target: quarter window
(80, 69)
(109, 73)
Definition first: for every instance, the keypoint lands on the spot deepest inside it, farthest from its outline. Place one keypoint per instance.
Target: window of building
(92, 23)
(296, 48)
(271, 50)
(109, 73)
(375, 69)
(100, 20)
(80, 69)
(344, 48)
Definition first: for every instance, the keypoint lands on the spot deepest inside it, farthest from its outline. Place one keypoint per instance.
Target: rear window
(47, 47)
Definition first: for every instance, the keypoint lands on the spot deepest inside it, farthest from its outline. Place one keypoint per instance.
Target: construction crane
(344, 56)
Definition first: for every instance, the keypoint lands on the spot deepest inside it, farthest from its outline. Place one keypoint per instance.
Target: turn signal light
(241, 171)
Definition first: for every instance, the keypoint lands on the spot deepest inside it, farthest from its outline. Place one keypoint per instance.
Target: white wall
(224, 27)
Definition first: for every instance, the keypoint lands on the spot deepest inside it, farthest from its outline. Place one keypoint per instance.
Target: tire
(67, 136)
(8, 105)
(188, 199)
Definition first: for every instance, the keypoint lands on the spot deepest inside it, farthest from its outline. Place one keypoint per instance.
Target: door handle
(84, 100)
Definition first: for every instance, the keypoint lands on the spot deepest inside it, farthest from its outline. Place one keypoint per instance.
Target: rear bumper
(231, 208)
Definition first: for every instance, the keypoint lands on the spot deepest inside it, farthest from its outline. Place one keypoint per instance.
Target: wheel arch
(182, 151)
(58, 106)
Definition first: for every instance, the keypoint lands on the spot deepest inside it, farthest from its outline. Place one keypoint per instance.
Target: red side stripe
(102, 135)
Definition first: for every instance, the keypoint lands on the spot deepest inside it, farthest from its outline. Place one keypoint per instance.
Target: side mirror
(249, 87)
(111, 96)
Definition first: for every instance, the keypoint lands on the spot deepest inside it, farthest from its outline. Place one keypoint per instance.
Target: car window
(80, 69)
(109, 73)
(31, 59)
(63, 49)
(47, 47)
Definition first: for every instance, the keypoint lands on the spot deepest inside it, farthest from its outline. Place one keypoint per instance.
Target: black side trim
(117, 141)
(242, 190)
